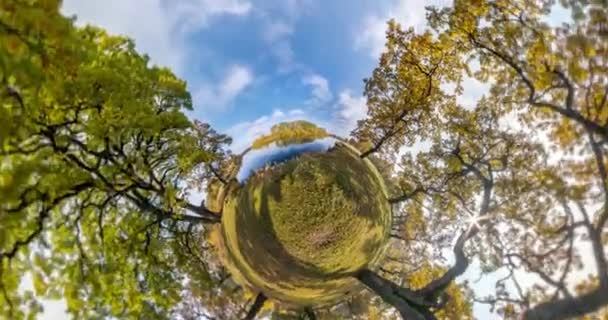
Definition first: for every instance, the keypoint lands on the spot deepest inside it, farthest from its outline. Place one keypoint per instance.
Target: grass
(298, 230)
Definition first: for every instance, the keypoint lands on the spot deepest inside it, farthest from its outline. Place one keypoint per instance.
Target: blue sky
(250, 64)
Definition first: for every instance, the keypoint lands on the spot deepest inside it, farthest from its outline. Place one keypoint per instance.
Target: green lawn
(298, 230)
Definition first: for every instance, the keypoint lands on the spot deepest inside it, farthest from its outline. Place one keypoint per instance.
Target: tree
(405, 88)
(517, 181)
(95, 149)
(300, 131)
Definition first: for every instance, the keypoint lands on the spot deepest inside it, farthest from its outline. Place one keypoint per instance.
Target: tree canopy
(95, 152)
(517, 181)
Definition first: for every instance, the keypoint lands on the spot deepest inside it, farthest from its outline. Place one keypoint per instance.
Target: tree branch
(410, 304)
(567, 111)
(569, 307)
(217, 175)
(203, 213)
(256, 306)
(434, 288)
(310, 313)
(601, 165)
(406, 197)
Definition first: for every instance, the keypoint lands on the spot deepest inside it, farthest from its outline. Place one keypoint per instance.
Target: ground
(298, 230)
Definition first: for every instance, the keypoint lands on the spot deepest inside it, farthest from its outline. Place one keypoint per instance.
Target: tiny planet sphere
(302, 213)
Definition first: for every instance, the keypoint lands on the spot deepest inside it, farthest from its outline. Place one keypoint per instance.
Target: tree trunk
(256, 306)
(310, 314)
(568, 308)
(392, 294)
(203, 214)
(368, 152)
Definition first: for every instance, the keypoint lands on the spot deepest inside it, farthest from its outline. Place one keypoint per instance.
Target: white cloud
(195, 14)
(244, 133)
(144, 21)
(159, 29)
(237, 79)
(350, 110)
(320, 88)
(372, 36)
(277, 30)
(220, 96)
(294, 8)
(279, 20)
(284, 54)
(203, 9)
(409, 13)
(289, 10)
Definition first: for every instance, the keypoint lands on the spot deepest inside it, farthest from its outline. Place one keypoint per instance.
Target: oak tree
(517, 181)
(95, 150)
